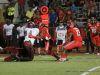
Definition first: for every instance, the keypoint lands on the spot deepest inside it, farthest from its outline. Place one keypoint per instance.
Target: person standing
(10, 13)
(88, 39)
(8, 32)
(61, 35)
(75, 25)
(20, 30)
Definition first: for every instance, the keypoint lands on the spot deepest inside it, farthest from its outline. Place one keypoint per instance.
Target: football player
(8, 32)
(25, 54)
(48, 41)
(74, 40)
(20, 30)
(94, 33)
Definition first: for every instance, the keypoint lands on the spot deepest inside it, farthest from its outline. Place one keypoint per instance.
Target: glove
(31, 36)
(61, 46)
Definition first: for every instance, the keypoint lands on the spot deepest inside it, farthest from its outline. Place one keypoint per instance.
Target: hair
(75, 19)
(20, 22)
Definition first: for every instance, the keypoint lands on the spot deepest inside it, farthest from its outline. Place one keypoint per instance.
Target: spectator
(61, 16)
(37, 17)
(88, 1)
(91, 6)
(53, 4)
(74, 8)
(36, 2)
(80, 2)
(99, 6)
(30, 13)
(20, 30)
(69, 12)
(11, 12)
(53, 18)
(35, 8)
(25, 22)
(61, 33)
(66, 2)
(92, 14)
(58, 9)
(43, 3)
(72, 1)
(21, 7)
(84, 10)
(5, 13)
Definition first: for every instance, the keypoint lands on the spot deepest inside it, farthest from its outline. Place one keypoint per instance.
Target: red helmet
(30, 25)
(71, 24)
(93, 20)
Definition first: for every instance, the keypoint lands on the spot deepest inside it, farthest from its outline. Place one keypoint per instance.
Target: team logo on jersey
(60, 34)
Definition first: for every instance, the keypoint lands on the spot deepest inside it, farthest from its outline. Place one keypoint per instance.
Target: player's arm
(69, 37)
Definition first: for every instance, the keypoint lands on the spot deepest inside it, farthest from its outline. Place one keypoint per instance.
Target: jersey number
(8, 30)
(93, 30)
(78, 33)
(30, 32)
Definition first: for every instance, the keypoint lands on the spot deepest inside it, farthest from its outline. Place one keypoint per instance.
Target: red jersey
(21, 2)
(40, 25)
(37, 19)
(75, 34)
(46, 35)
(93, 28)
(57, 11)
(61, 16)
(69, 12)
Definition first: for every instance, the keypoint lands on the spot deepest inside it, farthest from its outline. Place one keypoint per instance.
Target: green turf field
(46, 65)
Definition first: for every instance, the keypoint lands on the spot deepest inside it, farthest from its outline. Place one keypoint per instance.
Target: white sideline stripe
(46, 57)
(1, 58)
(90, 70)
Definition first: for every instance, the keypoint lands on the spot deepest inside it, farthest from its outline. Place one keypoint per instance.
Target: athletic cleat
(39, 54)
(57, 53)
(98, 54)
(63, 57)
(45, 53)
(58, 60)
(86, 53)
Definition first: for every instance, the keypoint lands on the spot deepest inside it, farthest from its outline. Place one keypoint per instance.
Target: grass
(46, 65)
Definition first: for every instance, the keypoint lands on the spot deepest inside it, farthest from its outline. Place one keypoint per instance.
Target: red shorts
(95, 39)
(73, 44)
(48, 44)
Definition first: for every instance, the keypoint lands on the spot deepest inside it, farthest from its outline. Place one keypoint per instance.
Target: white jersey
(61, 32)
(31, 31)
(21, 30)
(8, 28)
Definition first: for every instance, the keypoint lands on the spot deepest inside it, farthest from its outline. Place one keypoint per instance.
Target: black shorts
(60, 42)
(39, 43)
